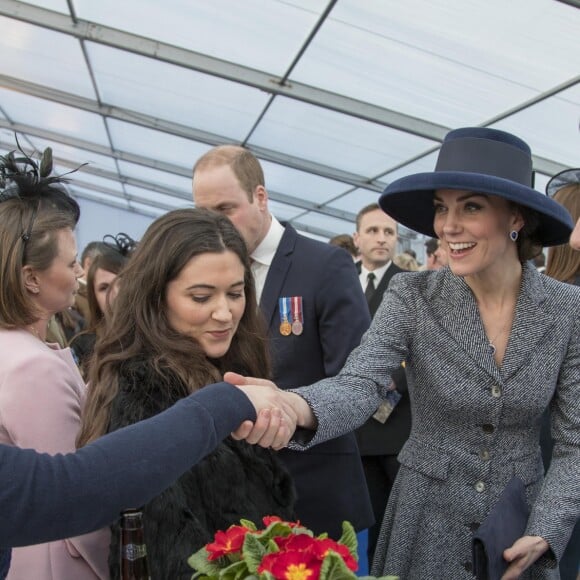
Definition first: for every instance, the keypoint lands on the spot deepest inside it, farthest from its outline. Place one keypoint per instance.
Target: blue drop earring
(514, 235)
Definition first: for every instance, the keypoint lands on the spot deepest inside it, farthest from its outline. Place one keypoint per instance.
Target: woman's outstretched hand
(278, 412)
(522, 555)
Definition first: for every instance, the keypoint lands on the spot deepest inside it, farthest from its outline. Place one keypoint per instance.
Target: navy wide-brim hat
(484, 161)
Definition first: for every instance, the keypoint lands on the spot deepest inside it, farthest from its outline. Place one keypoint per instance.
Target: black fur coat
(236, 481)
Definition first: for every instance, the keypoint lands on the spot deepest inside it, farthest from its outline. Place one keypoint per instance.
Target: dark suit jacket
(329, 478)
(44, 498)
(375, 438)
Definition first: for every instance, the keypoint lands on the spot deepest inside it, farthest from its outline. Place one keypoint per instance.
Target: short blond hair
(243, 163)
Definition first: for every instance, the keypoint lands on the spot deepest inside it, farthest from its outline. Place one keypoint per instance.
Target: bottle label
(133, 552)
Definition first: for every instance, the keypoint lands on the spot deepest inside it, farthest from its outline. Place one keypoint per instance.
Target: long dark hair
(138, 327)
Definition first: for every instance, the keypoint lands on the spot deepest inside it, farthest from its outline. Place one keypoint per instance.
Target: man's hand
(278, 412)
(522, 555)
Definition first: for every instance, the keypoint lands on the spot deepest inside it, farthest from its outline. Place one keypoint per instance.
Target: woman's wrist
(305, 416)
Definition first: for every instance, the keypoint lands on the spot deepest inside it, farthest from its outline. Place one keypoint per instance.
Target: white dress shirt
(379, 273)
(263, 255)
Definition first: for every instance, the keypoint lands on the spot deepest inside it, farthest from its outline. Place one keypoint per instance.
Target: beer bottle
(134, 564)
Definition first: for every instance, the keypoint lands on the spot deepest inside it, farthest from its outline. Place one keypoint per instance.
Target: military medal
(285, 326)
(297, 316)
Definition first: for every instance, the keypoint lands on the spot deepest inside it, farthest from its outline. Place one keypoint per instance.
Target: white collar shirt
(379, 273)
(263, 255)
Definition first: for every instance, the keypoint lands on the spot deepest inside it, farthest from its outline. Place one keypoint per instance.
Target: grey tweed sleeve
(346, 401)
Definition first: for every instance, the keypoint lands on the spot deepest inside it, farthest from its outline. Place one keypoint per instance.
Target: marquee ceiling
(337, 98)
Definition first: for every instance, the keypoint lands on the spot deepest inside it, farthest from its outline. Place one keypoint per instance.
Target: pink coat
(41, 397)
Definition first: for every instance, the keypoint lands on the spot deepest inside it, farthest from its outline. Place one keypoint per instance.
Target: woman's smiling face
(207, 300)
(474, 229)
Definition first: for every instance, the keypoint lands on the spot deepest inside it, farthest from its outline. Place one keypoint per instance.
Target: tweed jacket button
(468, 566)
(496, 391)
(479, 486)
(488, 428)
(474, 526)
(484, 455)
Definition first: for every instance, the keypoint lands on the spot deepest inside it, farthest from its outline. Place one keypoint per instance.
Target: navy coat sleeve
(43, 498)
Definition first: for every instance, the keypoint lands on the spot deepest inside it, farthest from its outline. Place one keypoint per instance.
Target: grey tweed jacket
(474, 425)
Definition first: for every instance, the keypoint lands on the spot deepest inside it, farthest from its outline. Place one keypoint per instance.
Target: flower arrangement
(281, 551)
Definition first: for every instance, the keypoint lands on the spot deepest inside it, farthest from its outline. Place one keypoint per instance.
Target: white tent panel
(181, 186)
(44, 57)
(74, 155)
(56, 5)
(262, 34)
(355, 200)
(173, 93)
(332, 138)
(456, 64)
(299, 183)
(559, 115)
(155, 145)
(46, 114)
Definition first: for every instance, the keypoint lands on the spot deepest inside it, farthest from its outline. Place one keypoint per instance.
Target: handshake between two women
(278, 412)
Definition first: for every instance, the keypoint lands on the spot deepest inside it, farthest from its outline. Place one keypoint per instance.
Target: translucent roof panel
(173, 93)
(329, 223)
(261, 34)
(332, 138)
(155, 145)
(75, 155)
(81, 179)
(181, 186)
(355, 200)
(300, 184)
(284, 212)
(142, 122)
(44, 114)
(536, 125)
(56, 5)
(442, 66)
(43, 57)
(158, 199)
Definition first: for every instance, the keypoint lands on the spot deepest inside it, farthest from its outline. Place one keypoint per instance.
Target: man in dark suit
(382, 437)
(316, 314)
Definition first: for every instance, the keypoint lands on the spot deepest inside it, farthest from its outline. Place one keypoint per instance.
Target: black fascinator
(21, 177)
(122, 243)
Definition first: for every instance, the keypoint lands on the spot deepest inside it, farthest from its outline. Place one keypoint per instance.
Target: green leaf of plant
(234, 571)
(199, 563)
(253, 552)
(348, 538)
(248, 524)
(334, 568)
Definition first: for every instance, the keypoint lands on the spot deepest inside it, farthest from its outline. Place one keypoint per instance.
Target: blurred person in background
(381, 438)
(346, 242)
(101, 292)
(564, 265)
(406, 262)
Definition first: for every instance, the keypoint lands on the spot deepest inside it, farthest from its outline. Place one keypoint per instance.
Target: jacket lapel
(277, 274)
(531, 323)
(455, 309)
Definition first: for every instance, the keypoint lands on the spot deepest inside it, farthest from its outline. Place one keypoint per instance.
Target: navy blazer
(44, 498)
(329, 478)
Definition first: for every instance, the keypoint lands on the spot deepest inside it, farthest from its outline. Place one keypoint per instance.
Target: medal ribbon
(297, 309)
(284, 306)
